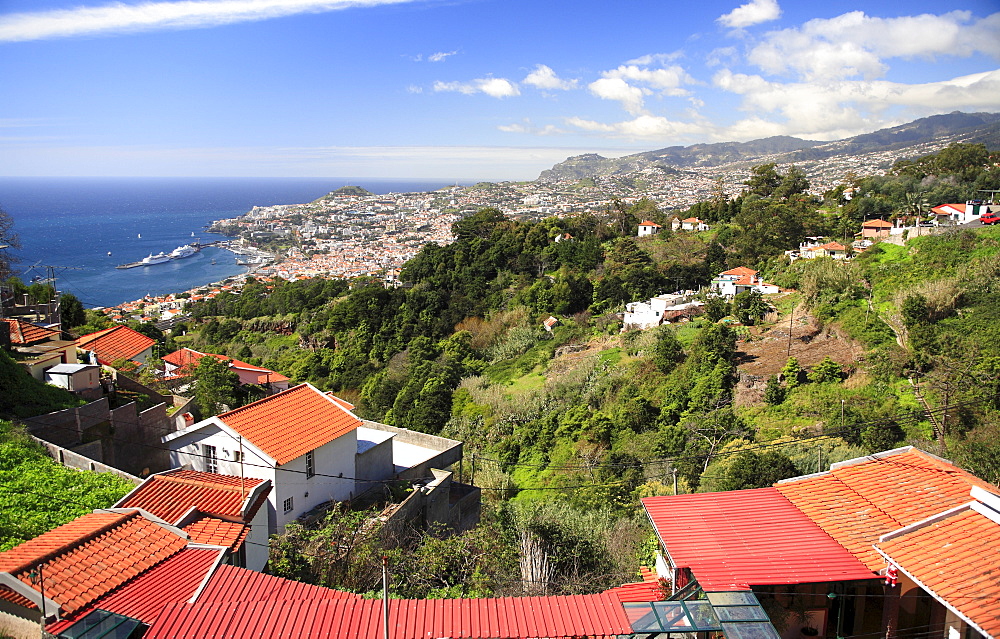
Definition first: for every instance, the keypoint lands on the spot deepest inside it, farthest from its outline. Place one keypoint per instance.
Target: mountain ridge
(974, 127)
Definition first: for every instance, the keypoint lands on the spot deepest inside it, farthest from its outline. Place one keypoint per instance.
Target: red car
(990, 218)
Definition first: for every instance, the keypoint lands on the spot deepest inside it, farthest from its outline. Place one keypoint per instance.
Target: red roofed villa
(311, 447)
(117, 343)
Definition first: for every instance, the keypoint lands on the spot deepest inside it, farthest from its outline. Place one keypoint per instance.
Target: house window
(287, 505)
(237, 456)
(310, 464)
(211, 458)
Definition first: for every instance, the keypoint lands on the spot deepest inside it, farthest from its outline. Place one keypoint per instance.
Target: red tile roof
(91, 556)
(876, 224)
(169, 495)
(218, 532)
(733, 540)
(739, 270)
(22, 332)
(556, 617)
(173, 581)
(185, 358)
(956, 559)
(116, 343)
(859, 500)
(291, 423)
(833, 246)
(644, 223)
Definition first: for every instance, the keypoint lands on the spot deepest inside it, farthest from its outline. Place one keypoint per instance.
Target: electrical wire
(610, 484)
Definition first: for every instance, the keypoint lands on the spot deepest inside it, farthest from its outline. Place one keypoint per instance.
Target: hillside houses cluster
(883, 545)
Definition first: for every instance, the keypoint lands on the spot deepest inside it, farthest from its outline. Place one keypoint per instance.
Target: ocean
(79, 229)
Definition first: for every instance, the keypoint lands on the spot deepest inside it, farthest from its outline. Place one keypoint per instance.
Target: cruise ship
(151, 259)
(183, 251)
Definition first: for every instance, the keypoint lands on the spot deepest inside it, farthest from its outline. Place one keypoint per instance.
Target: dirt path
(770, 347)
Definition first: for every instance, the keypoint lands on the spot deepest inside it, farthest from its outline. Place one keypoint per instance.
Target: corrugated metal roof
(230, 583)
(733, 540)
(956, 559)
(170, 495)
(860, 500)
(568, 616)
(172, 581)
(291, 423)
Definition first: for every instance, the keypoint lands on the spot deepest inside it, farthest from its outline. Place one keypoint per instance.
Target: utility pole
(791, 316)
(675, 480)
(385, 597)
(39, 578)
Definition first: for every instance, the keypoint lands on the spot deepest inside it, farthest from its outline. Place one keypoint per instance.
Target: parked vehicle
(990, 218)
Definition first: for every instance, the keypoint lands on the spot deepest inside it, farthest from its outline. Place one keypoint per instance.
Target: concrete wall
(441, 501)
(66, 427)
(449, 451)
(374, 464)
(85, 458)
(130, 441)
(17, 622)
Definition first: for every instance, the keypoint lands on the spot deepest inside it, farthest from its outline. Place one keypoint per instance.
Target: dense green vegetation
(37, 494)
(567, 429)
(24, 396)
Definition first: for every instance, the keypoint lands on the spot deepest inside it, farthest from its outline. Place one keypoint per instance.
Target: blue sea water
(72, 224)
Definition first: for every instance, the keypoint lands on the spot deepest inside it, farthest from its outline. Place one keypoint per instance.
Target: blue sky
(463, 89)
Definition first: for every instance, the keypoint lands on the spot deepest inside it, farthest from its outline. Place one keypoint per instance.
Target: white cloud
(498, 87)
(495, 87)
(150, 16)
(655, 58)
(843, 108)
(644, 127)
(527, 127)
(751, 13)
(544, 77)
(440, 56)
(668, 80)
(618, 89)
(856, 45)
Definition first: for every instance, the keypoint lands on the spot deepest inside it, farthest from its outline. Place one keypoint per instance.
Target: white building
(311, 447)
(644, 315)
(648, 228)
(734, 281)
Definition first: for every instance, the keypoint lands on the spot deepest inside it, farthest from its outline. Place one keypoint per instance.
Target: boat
(183, 251)
(151, 259)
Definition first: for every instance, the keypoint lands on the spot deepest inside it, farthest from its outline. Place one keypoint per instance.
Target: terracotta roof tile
(739, 270)
(174, 580)
(879, 224)
(856, 502)
(91, 556)
(118, 342)
(217, 532)
(291, 423)
(170, 495)
(956, 558)
(22, 332)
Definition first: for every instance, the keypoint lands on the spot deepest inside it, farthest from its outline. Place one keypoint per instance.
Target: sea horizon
(80, 229)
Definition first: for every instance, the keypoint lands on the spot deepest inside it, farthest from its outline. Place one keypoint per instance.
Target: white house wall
(333, 481)
(186, 450)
